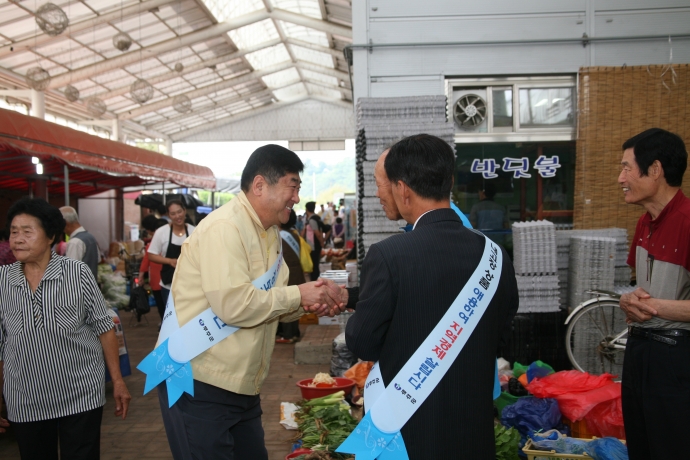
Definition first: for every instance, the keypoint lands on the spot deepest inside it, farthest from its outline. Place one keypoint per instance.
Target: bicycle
(597, 334)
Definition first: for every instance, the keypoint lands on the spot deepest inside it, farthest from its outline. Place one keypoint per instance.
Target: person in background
(153, 269)
(338, 233)
(299, 225)
(166, 244)
(655, 387)
(56, 339)
(289, 332)
(487, 214)
(82, 245)
(150, 221)
(313, 233)
(6, 255)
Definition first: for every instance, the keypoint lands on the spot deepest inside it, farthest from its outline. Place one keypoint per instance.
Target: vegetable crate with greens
(324, 424)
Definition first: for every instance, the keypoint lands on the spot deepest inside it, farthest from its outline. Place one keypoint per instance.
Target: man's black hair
(272, 162)
(659, 144)
(150, 223)
(48, 215)
(425, 163)
(310, 206)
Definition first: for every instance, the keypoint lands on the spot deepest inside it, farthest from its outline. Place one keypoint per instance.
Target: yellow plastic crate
(535, 454)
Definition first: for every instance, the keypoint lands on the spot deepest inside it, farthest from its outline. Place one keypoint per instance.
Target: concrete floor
(142, 436)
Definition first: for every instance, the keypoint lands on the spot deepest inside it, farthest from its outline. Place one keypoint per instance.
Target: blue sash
(170, 360)
(291, 241)
(378, 436)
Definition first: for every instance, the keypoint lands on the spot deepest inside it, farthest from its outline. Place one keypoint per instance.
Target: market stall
(45, 159)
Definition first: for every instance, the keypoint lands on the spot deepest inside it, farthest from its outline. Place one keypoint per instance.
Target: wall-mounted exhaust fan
(469, 111)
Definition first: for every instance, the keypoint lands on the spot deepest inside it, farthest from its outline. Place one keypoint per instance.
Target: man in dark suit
(409, 281)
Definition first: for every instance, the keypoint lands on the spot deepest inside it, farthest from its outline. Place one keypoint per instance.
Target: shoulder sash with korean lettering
(388, 409)
(170, 360)
(290, 240)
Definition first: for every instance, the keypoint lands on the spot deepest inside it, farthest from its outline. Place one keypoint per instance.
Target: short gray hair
(70, 214)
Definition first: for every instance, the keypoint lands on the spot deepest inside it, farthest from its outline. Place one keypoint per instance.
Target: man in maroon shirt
(656, 367)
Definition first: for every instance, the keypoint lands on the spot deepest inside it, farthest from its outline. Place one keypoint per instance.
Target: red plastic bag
(567, 382)
(576, 392)
(606, 419)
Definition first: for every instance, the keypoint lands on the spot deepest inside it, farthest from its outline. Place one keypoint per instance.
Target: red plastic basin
(341, 383)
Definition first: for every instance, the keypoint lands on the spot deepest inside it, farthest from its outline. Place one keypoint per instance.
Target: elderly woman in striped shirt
(56, 338)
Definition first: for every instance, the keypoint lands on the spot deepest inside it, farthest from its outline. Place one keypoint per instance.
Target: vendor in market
(151, 268)
(656, 369)
(166, 244)
(56, 339)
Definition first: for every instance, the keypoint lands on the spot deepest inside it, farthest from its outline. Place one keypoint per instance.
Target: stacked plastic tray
(592, 266)
(534, 260)
(380, 123)
(621, 272)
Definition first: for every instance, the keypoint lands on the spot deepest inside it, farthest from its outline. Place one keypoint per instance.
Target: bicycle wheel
(588, 338)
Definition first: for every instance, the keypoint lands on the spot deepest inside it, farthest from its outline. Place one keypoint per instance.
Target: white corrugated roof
(238, 55)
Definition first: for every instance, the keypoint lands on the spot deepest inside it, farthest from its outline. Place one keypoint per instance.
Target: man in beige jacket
(233, 246)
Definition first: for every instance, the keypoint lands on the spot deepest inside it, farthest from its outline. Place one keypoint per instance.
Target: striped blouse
(49, 341)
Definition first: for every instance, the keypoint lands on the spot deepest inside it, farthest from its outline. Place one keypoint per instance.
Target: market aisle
(142, 435)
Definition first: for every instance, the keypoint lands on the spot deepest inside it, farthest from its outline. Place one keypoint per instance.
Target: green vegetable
(327, 400)
(323, 427)
(507, 442)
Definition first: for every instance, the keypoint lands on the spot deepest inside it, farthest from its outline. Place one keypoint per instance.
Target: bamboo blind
(616, 103)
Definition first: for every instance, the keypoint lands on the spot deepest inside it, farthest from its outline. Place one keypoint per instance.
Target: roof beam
(154, 50)
(344, 91)
(206, 90)
(146, 131)
(312, 46)
(33, 42)
(192, 68)
(215, 104)
(232, 119)
(340, 75)
(338, 103)
(317, 24)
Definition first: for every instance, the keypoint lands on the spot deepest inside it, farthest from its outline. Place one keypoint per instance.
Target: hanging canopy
(228, 185)
(94, 164)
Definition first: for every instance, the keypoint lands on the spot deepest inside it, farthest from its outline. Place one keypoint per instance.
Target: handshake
(323, 297)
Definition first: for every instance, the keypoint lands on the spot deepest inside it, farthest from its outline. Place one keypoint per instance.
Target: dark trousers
(656, 398)
(79, 437)
(316, 259)
(165, 293)
(158, 296)
(288, 330)
(215, 424)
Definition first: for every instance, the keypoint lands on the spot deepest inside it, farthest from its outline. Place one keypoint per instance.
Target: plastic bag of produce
(606, 419)
(607, 449)
(359, 373)
(538, 369)
(576, 392)
(528, 415)
(519, 369)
